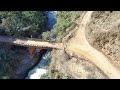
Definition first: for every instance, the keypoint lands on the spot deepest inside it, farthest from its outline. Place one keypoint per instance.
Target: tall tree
(17, 23)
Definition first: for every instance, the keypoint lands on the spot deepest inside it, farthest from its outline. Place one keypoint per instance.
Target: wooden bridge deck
(28, 42)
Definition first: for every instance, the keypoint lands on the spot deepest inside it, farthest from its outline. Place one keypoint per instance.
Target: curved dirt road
(80, 46)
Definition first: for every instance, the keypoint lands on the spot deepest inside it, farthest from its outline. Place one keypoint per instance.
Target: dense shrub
(16, 23)
(65, 19)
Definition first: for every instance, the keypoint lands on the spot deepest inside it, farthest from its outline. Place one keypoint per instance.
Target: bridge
(28, 42)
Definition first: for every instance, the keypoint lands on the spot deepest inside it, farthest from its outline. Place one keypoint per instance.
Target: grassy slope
(65, 23)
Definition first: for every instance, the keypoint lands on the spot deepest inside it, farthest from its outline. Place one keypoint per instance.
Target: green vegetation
(55, 75)
(45, 76)
(65, 23)
(46, 35)
(22, 23)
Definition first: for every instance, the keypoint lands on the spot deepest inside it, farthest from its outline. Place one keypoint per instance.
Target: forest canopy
(18, 23)
(65, 20)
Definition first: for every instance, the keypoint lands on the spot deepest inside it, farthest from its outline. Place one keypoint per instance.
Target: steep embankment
(108, 38)
(80, 46)
(72, 66)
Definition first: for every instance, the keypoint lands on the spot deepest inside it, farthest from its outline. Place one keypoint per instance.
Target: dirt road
(80, 46)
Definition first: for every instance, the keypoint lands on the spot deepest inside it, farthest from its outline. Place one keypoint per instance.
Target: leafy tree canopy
(18, 22)
(65, 20)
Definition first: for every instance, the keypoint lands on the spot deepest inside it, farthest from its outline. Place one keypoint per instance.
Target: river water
(42, 67)
(52, 15)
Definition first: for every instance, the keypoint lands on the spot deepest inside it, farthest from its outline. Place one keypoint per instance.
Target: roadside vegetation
(66, 21)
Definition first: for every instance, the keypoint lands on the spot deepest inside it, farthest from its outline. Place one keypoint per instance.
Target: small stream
(52, 15)
(42, 67)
